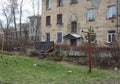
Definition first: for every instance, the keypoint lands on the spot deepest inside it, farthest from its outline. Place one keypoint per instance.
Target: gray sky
(27, 8)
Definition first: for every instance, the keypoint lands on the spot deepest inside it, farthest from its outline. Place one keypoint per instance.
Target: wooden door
(73, 42)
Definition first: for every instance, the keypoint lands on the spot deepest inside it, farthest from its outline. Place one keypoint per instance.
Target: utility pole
(89, 51)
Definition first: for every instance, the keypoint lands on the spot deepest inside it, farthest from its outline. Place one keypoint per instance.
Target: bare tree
(6, 12)
(33, 6)
(1, 26)
(36, 11)
(13, 6)
(21, 5)
(38, 8)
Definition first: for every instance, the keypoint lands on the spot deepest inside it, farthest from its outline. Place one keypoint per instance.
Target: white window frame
(111, 11)
(90, 14)
(110, 35)
(48, 4)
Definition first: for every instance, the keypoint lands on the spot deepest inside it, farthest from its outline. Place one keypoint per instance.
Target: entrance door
(73, 42)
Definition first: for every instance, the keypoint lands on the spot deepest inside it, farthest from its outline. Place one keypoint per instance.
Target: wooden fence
(82, 50)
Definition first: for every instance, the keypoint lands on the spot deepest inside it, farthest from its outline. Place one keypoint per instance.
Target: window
(31, 31)
(48, 4)
(47, 36)
(59, 3)
(32, 38)
(59, 19)
(111, 12)
(90, 15)
(110, 36)
(74, 27)
(74, 1)
(92, 38)
(32, 23)
(59, 37)
(48, 20)
(37, 38)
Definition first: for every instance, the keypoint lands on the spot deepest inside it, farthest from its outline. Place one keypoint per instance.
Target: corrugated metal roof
(73, 36)
(76, 35)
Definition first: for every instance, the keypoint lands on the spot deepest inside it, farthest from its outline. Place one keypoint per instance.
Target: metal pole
(3, 44)
(117, 17)
(89, 53)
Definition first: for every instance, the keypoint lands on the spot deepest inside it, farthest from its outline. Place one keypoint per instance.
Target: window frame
(32, 38)
(92, 40)
(59, 19)
(110, 36)
(91, 14)
(74, 27)
(48, 4)
(111, 12)
(47, 36)
(59, 3)
(48, 20)
(73, 1)
(59, 39)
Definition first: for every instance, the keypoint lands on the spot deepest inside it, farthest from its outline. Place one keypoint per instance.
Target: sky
(27, 9)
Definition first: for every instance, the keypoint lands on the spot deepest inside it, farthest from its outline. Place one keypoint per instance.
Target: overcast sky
(27, 8)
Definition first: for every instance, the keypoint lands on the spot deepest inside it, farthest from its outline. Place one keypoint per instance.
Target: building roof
(37, 16)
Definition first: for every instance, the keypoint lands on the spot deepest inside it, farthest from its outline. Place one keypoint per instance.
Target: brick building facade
(64, 20)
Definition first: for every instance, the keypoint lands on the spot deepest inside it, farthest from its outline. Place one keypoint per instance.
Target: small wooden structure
(44, 47)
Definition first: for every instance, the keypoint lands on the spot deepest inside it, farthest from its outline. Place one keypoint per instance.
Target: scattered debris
(115, 68)
(34, 65)
(69, 71)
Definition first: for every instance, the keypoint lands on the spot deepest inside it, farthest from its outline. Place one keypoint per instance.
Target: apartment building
(64, 20)
(34, 28)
